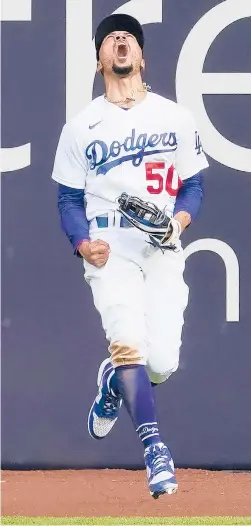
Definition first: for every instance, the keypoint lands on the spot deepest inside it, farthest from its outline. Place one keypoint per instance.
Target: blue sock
(135, 388)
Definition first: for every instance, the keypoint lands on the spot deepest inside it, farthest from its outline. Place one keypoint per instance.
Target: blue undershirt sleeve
(190, 196)
(72, 212)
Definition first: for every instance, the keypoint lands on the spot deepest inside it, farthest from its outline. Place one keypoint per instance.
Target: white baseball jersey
(146, 151)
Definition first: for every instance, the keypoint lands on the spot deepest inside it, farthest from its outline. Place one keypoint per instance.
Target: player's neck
(126, 91)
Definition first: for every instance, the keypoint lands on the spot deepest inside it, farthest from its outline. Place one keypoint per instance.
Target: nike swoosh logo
(91, 126)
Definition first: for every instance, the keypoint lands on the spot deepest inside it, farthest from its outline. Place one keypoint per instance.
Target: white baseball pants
(141, 296)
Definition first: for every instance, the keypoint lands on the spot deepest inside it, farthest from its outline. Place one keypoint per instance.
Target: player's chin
(122, 69)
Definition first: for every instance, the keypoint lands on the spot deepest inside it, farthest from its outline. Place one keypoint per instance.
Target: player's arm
(73, 217)
(190, 161)
(189, 200)
(69, 171)
(76, 226)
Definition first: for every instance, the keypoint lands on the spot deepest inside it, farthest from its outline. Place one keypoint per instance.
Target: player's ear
(142, 64)
(99, 67)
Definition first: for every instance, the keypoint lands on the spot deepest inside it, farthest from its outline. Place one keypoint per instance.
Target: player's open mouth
(122, 50)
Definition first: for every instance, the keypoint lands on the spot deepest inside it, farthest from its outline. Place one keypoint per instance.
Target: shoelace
(158, 460)
(110, 404)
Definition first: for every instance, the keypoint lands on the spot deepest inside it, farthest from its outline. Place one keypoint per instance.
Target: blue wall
(52, 342)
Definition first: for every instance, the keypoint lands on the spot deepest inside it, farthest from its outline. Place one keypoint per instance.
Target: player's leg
(121, 310)
(118, 291)
(166, 298)
(168, 293)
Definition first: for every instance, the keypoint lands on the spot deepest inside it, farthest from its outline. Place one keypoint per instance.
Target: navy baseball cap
(118, 22)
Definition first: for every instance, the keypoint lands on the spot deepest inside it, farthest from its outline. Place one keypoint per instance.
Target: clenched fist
(95, 252)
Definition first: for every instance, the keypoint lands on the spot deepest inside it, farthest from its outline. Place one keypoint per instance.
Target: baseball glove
(163, 231)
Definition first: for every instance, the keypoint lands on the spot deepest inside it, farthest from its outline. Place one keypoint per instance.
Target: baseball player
(128, 169)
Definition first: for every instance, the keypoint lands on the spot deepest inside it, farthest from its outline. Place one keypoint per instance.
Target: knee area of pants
(157, 378)
(124, 354)
(163, 366)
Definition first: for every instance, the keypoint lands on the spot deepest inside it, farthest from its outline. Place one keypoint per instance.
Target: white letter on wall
(191, 83)
(80, 50)
(232, 271)
(18, 157)
(80, 56)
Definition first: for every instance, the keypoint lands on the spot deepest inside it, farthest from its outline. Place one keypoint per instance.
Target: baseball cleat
(160, 470)
(105, 408)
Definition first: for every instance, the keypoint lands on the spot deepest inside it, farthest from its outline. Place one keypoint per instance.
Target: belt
(103, 222)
